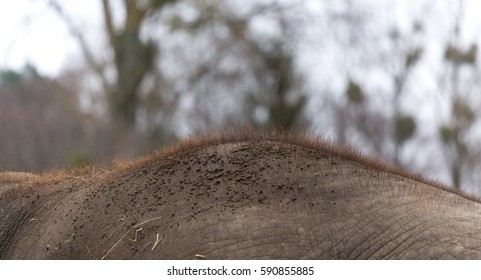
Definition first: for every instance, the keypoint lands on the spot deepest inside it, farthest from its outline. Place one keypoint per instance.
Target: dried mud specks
(186, 194)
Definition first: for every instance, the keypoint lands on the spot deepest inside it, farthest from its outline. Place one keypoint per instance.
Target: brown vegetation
(17, 177)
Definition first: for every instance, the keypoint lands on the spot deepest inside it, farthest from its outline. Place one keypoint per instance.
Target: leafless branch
(87, 53)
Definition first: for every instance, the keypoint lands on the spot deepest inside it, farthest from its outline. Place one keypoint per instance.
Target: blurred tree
(10, 79)
(40, 125)
(400, 60)
(354, 92)
(254, 68)
(141, 88)
(454, 134)
(458, 57)
(279, 94)
(133, 56)
(385, 129)
(405, 127)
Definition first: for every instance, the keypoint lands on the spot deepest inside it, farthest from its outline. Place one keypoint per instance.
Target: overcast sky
(31, 32)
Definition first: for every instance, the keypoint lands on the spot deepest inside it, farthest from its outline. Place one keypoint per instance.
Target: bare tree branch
(87, 53)
(108, 20)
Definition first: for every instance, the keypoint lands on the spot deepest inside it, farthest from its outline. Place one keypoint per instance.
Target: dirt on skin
(224, 196)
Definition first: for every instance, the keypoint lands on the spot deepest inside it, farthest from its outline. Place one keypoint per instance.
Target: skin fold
(239, 196)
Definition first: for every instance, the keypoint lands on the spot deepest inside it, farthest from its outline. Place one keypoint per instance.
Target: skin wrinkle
(265, 236)
(391, 207)
(474, 249)
(399, 224)
(394, 239)
(408, 243)
(251, 231)
(402, 225)
(311, 252)
(15, 233)
(464, 244)
(379, 236)
(342, 243)
(452, 224)
(417, 239)
(350, 254)
(357, 226)
(275, 240)
(445, 254)
(371, 239)
(471, 235)
(396, 251)
(449, 244)
(367, 220)
(348, 235)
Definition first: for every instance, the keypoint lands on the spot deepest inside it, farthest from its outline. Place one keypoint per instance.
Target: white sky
(31, 32)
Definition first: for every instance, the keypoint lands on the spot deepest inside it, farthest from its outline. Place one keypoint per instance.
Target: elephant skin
(239, 196)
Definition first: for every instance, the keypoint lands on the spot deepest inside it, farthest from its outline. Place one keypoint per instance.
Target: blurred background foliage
(402, 87)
